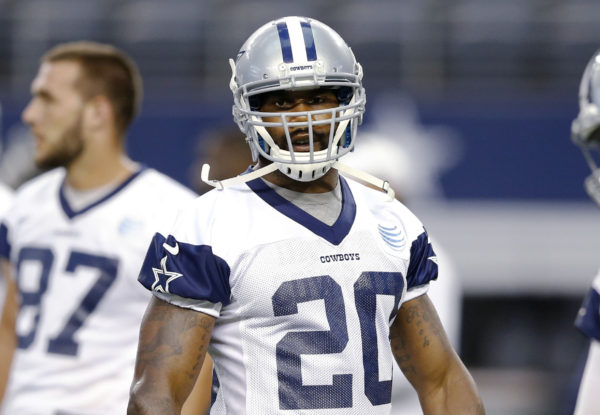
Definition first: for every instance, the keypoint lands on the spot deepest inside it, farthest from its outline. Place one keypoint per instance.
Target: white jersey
(303, 309)
(80, 303)
(6, 198)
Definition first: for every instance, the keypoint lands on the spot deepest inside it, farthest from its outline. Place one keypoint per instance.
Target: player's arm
(198, 402)
(8, 336)
(171, 350)
(588, 399)
(429, 362)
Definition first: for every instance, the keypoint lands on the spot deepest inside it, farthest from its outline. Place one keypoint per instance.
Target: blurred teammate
(586, 134)
(75, 238)
(303, 285)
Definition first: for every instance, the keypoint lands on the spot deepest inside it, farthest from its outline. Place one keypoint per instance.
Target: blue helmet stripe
(309, 41)
(284, 39)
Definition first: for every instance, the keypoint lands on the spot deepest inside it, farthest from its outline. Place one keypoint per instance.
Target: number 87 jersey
(303, 309)
(80, 302)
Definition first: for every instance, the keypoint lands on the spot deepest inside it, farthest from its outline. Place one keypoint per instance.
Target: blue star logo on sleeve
(168, 275)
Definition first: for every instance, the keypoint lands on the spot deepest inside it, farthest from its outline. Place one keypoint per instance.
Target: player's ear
(98, 112)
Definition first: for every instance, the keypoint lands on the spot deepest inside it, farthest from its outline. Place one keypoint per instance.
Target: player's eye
(282, 103)
(322, 99)
(44, 97)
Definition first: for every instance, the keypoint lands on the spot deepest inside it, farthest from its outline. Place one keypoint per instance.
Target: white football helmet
(585, 129)
(297, 53)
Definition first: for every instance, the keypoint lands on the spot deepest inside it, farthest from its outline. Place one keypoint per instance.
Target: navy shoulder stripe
(187, 270)
(423, 262)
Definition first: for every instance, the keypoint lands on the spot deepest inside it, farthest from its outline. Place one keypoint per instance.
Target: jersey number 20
(292, 393)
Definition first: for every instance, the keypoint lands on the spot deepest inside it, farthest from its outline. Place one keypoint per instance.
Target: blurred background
(477, 94)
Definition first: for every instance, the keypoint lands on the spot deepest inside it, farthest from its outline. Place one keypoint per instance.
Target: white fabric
(274, 259)
(588, 399)
(6, 198)
(99, 251)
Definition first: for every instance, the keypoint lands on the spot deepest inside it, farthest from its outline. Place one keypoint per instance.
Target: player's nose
(29, 114)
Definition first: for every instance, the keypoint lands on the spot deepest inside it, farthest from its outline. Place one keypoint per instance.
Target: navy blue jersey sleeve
(186, 270)
(588, 318)
(423, 262)
(4, 243)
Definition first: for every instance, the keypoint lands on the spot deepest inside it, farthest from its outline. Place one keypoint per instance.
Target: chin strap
(382, 185)
(243, 178)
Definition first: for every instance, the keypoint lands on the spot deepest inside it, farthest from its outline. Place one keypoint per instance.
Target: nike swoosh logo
(433, 259)
(173, 250)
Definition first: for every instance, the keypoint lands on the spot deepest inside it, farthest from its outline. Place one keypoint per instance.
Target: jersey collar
(335, 233)
(72, 213)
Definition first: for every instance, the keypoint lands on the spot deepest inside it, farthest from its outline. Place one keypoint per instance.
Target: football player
(75, 238)
(586, 134)
(301, 283)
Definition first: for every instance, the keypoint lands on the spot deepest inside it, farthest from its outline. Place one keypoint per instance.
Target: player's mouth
(301, 141)
(39, 139)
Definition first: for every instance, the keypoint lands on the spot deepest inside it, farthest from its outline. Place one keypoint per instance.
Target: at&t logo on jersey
(393, 236)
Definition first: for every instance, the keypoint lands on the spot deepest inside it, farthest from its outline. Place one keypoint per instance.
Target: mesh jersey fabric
(303, 309)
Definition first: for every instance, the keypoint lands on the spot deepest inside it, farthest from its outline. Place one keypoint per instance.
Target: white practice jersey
(80, 302)
(303, 309)
(588, 318)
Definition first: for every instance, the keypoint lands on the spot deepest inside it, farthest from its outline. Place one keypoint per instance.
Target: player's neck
(327, 183)
(91, 171)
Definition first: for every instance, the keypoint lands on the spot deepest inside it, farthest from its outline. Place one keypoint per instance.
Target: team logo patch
(393, 236)
(163, 274)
